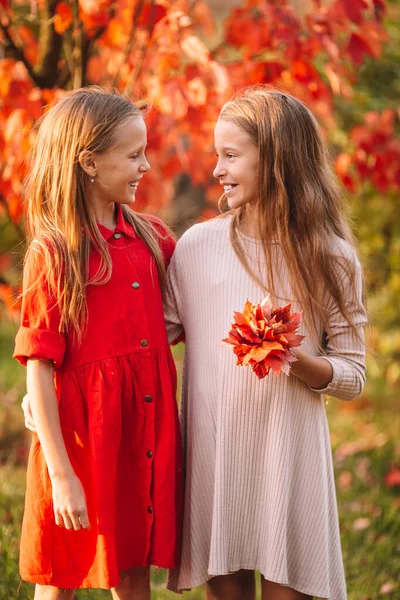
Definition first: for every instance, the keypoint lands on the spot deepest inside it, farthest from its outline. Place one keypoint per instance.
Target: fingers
(73, 520)
(76, 519)
(58, 519)
(25, 402)
(67, 522)
(26, 407)
(28, 413)
(69, 503)
(29, 425)
(84, 519)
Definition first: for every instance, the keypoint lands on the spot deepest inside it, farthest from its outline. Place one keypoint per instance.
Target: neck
(248, 222)
(106, 214)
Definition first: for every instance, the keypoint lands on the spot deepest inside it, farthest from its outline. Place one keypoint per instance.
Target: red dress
(118, 414)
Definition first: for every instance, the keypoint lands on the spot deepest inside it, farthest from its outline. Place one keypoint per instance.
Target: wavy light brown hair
(61, 223)
(299, 202)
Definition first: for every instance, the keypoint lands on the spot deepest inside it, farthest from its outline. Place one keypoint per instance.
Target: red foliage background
(155, 49)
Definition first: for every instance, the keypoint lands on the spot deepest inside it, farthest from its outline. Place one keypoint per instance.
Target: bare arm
(68, 494)
(44, 408)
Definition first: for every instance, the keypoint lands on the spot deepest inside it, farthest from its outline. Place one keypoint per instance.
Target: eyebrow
(227, 148)
(137, 149)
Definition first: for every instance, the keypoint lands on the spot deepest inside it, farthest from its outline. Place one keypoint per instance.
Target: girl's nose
(218, 171)
(145, 166)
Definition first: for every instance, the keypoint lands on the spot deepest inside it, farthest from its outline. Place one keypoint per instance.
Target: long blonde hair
(60, 221)
(299, 201)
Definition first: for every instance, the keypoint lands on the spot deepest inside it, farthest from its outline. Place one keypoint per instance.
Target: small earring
(92, 180)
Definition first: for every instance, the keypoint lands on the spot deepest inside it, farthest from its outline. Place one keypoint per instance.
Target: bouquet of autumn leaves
(262, 337)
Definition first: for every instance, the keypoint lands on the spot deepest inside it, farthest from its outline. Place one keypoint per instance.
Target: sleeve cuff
(39, 343)
(337, 377)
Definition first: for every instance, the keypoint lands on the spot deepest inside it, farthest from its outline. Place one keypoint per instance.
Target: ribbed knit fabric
(260, 490)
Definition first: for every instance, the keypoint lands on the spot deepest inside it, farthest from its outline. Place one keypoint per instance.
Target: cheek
(253, 171)
(250, 178)
(110, 171)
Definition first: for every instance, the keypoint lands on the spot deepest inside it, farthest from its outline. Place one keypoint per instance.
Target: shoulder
(37, 255)
(346, 265)
(166, 237)
(158, 224)
(203, 233)
(344, 252)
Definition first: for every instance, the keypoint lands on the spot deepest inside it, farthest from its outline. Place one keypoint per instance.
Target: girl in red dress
(103, 499)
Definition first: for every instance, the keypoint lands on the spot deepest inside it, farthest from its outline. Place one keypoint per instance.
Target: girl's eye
(135, 155)
(230, 155)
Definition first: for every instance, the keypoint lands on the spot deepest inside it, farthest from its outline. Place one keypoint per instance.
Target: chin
(128, 201)
(237, 203)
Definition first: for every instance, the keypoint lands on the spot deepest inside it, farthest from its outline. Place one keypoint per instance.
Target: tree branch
(139, 64)
(64, 76)
(90, 41)
(50, 42)
(128, 47)
(15, 48)
(77, 37)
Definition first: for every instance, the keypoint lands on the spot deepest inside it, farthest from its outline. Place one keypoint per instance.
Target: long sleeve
(345, 348)
(172, 313)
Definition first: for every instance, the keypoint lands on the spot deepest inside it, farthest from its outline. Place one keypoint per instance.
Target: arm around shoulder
(172, 302)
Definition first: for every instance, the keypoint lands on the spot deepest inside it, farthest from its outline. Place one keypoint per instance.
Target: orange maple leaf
(262, 337)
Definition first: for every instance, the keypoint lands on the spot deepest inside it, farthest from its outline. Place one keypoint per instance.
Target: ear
(88, 163)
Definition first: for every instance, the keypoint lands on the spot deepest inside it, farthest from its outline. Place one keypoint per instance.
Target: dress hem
(40, 579)
(283, 582)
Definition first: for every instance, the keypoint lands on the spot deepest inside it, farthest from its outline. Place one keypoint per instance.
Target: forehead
(131, 132)
(229, 134)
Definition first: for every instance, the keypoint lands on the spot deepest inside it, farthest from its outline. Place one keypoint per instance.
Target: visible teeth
(227, 188)
(134, 185)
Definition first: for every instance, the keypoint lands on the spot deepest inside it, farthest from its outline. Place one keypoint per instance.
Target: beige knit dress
(259, 490)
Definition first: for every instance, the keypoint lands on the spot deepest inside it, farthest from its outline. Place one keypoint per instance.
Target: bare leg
(48, 592)
(237, 586)
(275, 591)
(135, 585)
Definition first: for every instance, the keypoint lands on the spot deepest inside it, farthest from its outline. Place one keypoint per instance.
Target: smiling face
(237, 167)
(118, 170)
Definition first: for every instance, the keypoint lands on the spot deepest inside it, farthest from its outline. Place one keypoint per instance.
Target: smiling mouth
(229, 187)
(134, 185)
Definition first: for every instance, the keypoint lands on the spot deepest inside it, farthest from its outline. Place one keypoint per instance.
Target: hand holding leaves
(262, 337)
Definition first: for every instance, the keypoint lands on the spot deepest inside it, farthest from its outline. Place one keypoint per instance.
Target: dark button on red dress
(117, 408)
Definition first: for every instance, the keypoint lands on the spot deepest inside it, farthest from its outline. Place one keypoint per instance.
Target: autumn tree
(169, 53)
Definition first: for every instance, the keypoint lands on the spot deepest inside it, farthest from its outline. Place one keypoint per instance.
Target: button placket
(148, 385)
(142, 333)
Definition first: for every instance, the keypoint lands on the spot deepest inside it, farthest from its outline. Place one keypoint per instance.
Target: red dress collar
(121, 226)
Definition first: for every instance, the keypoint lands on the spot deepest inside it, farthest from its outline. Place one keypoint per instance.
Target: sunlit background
(341, 57)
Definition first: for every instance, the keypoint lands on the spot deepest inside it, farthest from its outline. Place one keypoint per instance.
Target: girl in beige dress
(259, 491)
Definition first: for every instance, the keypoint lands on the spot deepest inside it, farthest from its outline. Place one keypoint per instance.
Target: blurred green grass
(366, 448)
